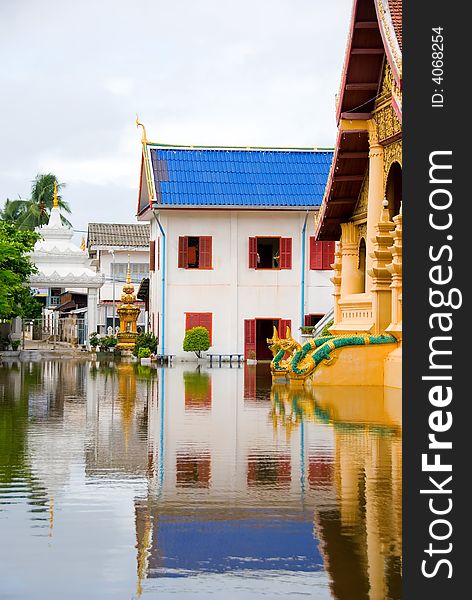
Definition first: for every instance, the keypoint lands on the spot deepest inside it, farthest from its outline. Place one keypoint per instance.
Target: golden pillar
(380, 275)
(336, 281)
(395, 268)
(376, 191)
(351, 280)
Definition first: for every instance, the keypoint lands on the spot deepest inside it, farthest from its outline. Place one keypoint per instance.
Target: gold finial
(55, 201)
(128, 275)
(138, 124)
(82, 245)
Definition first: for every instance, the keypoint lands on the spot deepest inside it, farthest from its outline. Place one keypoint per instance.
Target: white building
(111, 246)
(61, 265)
(232, 244)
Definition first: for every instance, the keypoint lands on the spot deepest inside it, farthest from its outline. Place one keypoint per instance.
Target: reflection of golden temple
(128, 311)
(367, 428)
(143, 546)
(126, 396)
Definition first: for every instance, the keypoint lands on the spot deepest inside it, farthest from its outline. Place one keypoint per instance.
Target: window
(312, 320)
(362, 263)
(270, 253)
(138, 272)
(195, 252)
(199, 320)
(321, 255)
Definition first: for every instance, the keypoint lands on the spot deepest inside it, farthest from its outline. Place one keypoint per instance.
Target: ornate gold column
(395, 268)
(381, 278)
(336, 280)
(376, 191)
(351, 277)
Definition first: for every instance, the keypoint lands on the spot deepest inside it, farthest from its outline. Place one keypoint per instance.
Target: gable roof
(123, 235)
(232, 177)
(375, 38)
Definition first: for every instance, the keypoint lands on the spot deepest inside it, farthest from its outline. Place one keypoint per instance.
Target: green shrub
(326, 328)
(196, 340)
(144, 352)
(307, 329)
(15, 344)
(146, 340)
(94, 340)
(107, 342)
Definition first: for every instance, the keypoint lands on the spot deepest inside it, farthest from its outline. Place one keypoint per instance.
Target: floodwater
(124, 481)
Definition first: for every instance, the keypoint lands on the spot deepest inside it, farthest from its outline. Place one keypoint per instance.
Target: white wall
(106, 292)
(230, 290)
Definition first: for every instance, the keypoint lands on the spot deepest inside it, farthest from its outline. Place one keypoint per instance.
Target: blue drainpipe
(163, 286)
(302, 304)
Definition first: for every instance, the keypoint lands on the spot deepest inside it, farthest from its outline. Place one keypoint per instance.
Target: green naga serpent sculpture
(303, 360)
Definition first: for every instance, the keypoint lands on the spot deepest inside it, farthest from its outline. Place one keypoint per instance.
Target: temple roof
(59, 261)
(123, 235)
(374, 44)
(231, 177)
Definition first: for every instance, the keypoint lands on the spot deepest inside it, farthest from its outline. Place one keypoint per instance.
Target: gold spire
(82, 245)
(138, 124)
(55, 201)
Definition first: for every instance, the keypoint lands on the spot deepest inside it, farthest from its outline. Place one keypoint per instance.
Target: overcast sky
(74, 73)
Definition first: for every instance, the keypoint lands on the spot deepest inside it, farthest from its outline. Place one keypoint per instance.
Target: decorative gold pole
(55, 202)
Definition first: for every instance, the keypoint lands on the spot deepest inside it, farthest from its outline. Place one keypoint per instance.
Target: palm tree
(12, 210)
(35, 211)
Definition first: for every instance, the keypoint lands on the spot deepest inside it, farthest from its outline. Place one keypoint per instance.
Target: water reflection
(192, 482)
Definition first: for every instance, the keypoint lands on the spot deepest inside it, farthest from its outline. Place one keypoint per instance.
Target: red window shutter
(152, 255)
(192, 320)
(252, 253)
(183, 252)
(205, 252)
(249, 336)
(285, 253)
(283, 324)
(316, 254)
(307, 320)
(206, 321)
(328, 254)
(199, 320)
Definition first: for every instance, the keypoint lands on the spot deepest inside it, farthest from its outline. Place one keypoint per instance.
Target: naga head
(274, 342)
(288, 344)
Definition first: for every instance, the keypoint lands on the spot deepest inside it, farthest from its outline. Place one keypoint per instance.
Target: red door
(283, 324)
(249, 337)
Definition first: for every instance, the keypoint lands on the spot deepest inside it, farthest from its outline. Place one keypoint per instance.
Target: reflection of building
(325, 496)
(366, 173)
(231, 247)
(111, 247)
(117, 420)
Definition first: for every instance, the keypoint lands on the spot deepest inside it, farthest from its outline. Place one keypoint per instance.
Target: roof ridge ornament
(139, 124)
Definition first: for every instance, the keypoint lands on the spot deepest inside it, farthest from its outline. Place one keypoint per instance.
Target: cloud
(238, 72)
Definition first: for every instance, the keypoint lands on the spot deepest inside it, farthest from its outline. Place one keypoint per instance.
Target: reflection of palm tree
(35, 211)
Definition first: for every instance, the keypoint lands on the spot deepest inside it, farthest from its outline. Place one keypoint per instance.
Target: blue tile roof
(227, 177)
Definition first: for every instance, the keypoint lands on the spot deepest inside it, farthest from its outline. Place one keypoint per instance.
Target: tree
(35, 211)
(12, 210)
(15, 270)
(196, 340)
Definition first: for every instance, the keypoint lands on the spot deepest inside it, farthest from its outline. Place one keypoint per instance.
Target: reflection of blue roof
(247, 178)
(185, 545)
